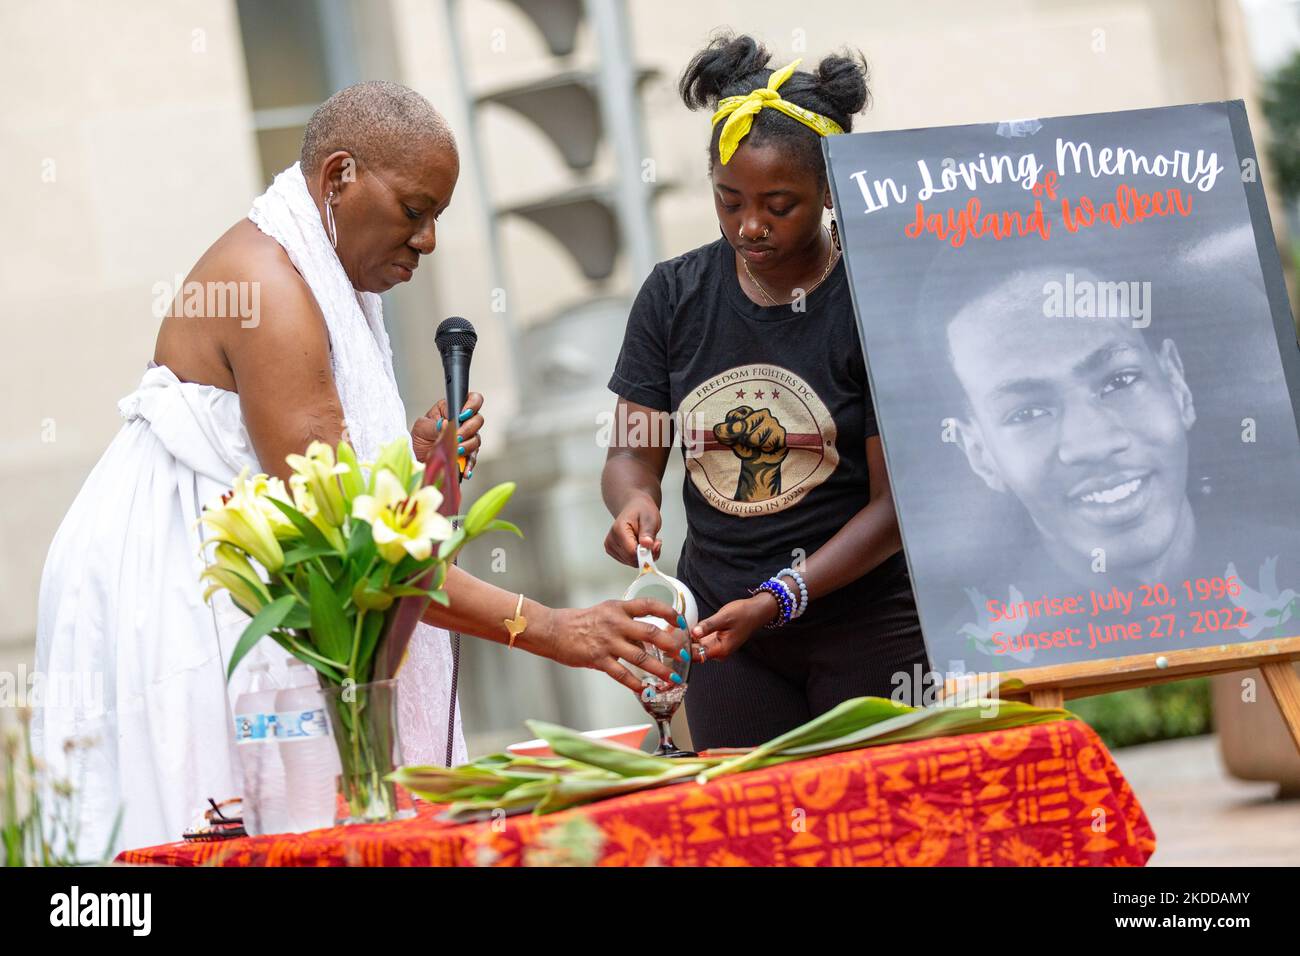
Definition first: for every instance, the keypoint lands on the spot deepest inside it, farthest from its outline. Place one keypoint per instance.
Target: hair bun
(842, 81)
(725, 60)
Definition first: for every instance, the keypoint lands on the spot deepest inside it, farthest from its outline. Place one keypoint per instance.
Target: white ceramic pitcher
(651, 578)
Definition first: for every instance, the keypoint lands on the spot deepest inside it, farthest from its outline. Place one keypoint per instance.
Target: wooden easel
(1052, 686)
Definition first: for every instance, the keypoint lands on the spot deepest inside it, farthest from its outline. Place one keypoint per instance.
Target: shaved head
(381, 165)
(377, 120)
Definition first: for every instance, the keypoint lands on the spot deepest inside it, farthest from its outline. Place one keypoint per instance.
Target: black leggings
(778, 680)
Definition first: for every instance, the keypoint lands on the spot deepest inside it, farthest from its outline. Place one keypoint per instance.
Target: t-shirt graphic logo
(758, 439)
(755, 437)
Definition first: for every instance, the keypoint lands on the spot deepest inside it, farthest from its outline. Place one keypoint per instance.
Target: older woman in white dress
(121, 602)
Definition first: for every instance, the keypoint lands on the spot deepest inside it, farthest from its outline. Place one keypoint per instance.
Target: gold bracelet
(515, 626)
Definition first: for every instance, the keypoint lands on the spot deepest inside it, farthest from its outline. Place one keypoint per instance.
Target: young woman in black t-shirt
(752, 344)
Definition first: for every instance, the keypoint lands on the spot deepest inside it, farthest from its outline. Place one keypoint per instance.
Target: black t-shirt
(773, 412)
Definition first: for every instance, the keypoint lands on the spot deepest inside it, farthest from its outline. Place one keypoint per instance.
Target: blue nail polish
(460, 450)
(438, 425)
(681, 622)
(677, 678)
(466, 415)
(685, 655)
(469, 475)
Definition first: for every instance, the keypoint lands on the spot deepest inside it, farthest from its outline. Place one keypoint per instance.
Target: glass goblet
(661, 698)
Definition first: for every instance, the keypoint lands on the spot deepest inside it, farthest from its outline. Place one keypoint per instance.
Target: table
(1042, 795)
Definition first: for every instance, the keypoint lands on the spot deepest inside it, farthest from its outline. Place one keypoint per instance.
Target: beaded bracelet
(784, 598)
(803, 589)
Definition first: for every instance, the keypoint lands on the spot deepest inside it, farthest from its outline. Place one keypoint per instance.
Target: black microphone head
(455, 333)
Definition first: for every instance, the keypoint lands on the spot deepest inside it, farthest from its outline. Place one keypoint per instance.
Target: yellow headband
(741, 110)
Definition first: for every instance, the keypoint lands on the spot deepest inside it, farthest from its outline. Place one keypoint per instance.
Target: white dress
(123, 625)
(130, 655)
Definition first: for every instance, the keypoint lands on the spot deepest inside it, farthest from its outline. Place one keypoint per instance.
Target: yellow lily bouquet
(350, 555)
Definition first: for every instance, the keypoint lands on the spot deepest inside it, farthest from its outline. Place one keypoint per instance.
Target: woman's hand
(733, 624)
(425, 431)
(597, 637)
(637, 523)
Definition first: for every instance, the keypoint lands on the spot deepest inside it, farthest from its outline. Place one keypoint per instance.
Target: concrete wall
(126, 154)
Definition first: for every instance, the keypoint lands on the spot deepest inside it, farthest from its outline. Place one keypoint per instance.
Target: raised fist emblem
(758, 440)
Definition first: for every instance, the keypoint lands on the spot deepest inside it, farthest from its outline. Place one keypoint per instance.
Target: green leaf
(433, 782)
(342, 580)
(371, 599)
(440, 597)
(615, 758)
(451, 545)
(298, 618)
(406, 590)
(380, 577)
(499, 524)
(329, 624)
(333, 675)
(310, 533)
(265, 620)
(487, 507)
(371, 628)
(406, 567)
(306, 553)
(361, 544)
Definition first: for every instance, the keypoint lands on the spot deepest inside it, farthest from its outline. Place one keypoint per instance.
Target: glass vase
(364, 720)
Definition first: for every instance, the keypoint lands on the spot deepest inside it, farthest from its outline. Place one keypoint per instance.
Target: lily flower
(352, 479)
(232, 571)
(262, 488)
(305, 501)
(395, 457)
(238, 519)
(321, 474)
(402, 524)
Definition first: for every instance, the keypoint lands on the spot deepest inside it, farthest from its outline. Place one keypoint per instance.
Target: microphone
(455, 340)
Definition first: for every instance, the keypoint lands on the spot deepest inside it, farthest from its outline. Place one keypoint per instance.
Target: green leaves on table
(875, 721)
(586, 769)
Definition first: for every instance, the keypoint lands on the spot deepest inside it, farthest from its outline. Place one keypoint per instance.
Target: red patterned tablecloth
(1042, 795)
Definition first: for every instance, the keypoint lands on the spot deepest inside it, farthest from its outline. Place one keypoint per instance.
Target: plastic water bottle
(311, 761)
(265, 807)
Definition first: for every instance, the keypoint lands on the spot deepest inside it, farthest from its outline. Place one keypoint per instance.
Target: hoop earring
(330, 225)
(835, 234)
